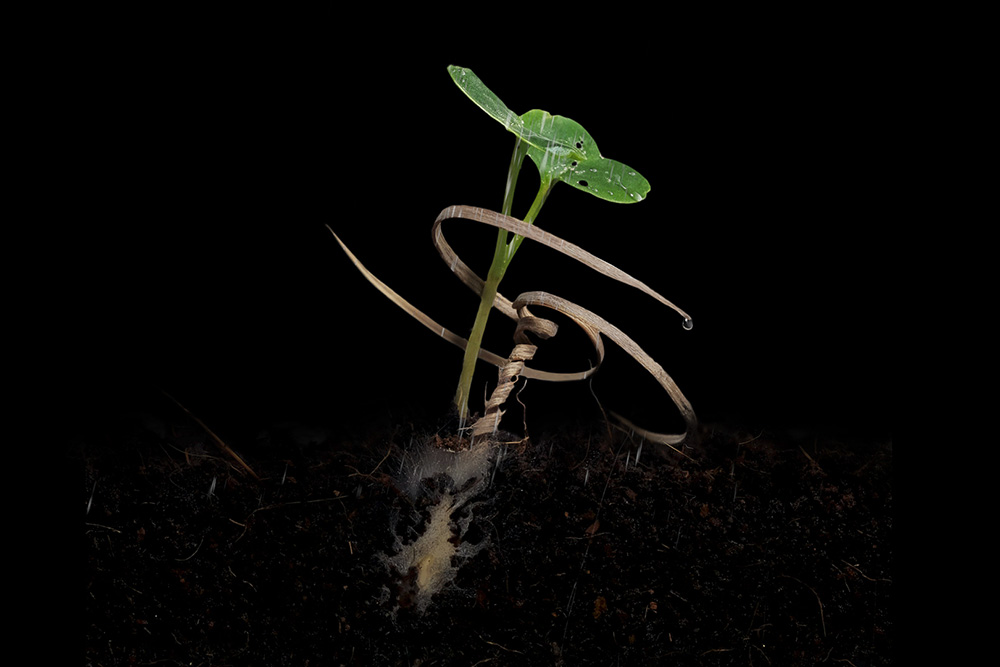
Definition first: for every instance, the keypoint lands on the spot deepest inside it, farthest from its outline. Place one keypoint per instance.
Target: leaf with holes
(572, 157)
(559, 146)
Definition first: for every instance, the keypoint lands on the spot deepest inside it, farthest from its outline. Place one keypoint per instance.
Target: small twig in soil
(217, 439)
(243, 580)
(89, 502)
(246, 523)
(846, 585)
(822, 620)
(358, 473)
(762, 653)
(196, 549)
(509, 650)
(98, 525)
(188, 455)
(811, 459)
(865, 576)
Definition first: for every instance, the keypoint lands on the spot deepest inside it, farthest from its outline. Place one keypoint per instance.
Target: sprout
(562, 150)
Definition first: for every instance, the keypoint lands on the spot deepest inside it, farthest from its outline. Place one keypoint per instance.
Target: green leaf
(484, 98)
(573, 158)
(560, 147)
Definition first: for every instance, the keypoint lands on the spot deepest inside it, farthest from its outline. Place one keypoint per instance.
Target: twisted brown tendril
(592, 325)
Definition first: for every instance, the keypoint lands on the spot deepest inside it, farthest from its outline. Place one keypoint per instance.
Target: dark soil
(757, 550)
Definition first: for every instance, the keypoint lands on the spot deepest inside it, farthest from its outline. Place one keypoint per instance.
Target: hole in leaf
(579, 144)
(583, 183)
(574, 163)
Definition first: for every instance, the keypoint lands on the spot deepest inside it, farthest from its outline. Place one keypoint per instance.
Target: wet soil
(751, 549)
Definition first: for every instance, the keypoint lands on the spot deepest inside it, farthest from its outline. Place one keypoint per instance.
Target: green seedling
(452, 482)
(563, 151)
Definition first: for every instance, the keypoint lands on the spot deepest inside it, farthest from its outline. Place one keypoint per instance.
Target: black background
(206, 154)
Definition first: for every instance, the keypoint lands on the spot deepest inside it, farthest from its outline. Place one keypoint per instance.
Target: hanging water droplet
(688, 324)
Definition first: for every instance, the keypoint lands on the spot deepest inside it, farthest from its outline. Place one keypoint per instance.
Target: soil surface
(749, 549)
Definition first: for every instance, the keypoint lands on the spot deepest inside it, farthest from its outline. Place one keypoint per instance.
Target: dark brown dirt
(758, 550)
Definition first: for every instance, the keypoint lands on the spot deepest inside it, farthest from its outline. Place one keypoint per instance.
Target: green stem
(502, 255)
